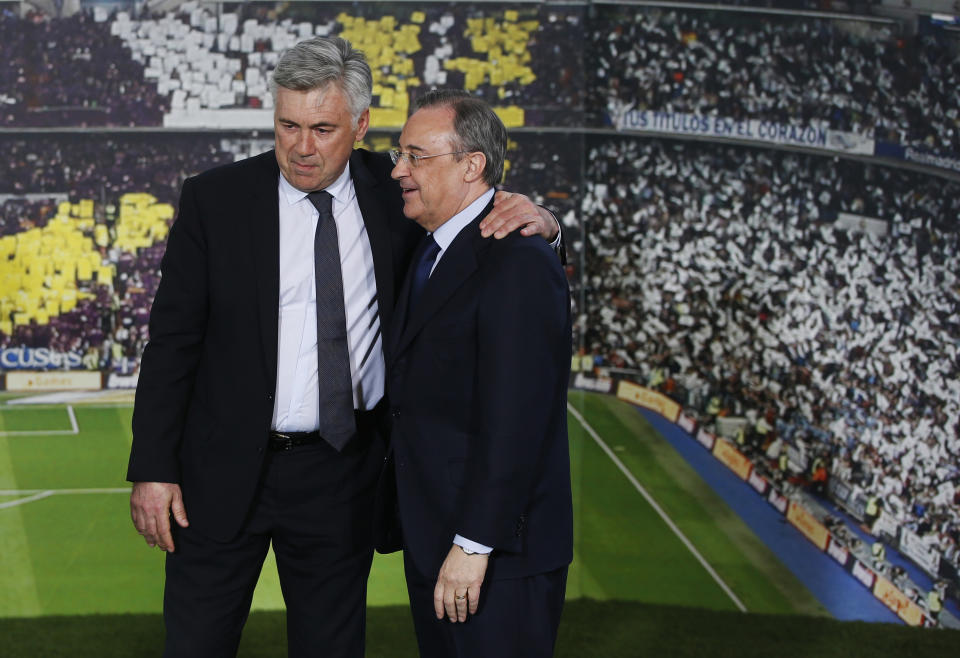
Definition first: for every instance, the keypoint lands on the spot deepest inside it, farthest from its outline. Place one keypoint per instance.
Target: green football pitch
(656, 549)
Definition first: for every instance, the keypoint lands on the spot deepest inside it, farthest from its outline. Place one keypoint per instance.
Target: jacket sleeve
(523, 357)
(169, 363)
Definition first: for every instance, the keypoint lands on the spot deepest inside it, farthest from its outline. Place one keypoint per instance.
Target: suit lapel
(456, 265)
(378, 232)
(264, 213)
(399, 319)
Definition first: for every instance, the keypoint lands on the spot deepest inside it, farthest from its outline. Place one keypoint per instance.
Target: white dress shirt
(447, 231)
(296, 402)
(451, 228)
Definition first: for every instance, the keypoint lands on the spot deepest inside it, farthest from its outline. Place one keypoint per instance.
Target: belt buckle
(282, 442)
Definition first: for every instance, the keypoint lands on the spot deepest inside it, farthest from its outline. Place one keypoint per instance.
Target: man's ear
(476, 163)
(363, 122)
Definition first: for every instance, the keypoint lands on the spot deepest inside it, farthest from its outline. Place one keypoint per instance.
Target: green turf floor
(75, 551)
(73, 569)
(663, 566)
(588, 629)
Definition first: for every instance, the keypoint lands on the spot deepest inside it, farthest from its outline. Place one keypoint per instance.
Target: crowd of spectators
(586, 65)
(868, 80)
(102, 167)
(201, 57)
(38, 173)
(554, 96)
(721, 276)
(71, 72)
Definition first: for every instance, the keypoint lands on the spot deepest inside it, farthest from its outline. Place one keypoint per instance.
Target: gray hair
(321, 61)
(476, 128)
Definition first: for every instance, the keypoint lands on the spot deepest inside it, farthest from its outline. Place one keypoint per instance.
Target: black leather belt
(281, 441)
(367, 423)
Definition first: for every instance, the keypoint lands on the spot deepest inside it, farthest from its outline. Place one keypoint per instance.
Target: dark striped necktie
(337, 420)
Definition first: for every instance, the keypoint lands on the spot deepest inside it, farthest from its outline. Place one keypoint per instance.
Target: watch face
(467, 550)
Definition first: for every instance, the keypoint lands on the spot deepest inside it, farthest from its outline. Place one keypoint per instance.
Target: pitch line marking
(74, 427)
(29, 499)
(39, 494)
(659, 510)
(73, 419)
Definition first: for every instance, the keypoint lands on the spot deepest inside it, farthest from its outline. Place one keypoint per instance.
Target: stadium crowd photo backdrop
(760, 207)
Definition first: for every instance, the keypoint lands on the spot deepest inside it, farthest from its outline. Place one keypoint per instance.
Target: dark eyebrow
(321, 124)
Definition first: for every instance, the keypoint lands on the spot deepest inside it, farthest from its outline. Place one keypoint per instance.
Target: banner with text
(810, 135)
(54, 381)
(39, 358)
(732, 458)
(897, 601)
(918, 155)
(587, 383)
(914, 548)
(645, 397)
(808, 524)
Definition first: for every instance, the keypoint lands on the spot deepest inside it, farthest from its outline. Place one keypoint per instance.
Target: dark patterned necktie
(427, 254)
(337, 420)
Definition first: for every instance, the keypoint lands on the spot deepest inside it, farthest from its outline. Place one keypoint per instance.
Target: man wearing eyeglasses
(260, 407)
(478, 454)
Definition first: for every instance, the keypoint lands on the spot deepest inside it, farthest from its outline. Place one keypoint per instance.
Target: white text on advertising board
(799, 134)
(38, 358)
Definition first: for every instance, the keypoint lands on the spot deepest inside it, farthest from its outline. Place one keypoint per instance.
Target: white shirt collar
(341, 189)
(450, 228)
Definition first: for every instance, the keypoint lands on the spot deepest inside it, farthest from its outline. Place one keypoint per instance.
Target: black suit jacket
(208, 376)
(477, 380)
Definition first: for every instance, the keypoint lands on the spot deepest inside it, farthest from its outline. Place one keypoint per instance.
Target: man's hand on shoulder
(151, 504)
(512, 211)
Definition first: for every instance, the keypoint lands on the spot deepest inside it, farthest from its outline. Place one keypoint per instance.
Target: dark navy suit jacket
(477, 379)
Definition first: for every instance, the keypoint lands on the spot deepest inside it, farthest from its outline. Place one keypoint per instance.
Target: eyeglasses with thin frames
(412, 159)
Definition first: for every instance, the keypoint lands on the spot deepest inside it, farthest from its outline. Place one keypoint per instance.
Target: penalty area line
(659, 510)
(74, 426)
(73, 419)
(32, 495)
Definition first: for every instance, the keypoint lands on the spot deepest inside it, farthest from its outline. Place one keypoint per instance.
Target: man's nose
(400, 170)
(304, 143)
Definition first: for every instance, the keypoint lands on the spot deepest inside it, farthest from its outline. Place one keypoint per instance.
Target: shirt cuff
(463, 542)
(557, 240)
